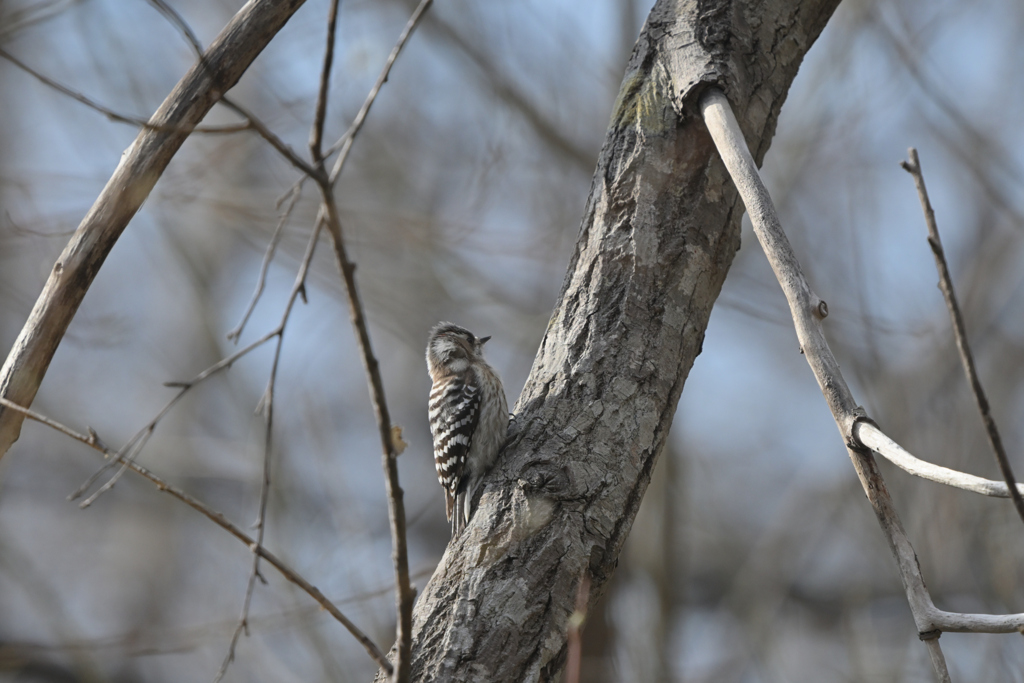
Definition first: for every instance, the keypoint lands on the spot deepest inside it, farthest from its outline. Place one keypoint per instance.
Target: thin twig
(316, 135)
(179, 23)
(344, 143)
(267, 404)
(287, 152)
(913, 167)
(113, 115)
(140, 437)
(126, 456)
(187, 638)
(938, 660)
(220, 520)
(329, 213)
(134, 445)
(230, 54)
(277, 143)
(254, 122)
(292, 197)
(404, 594)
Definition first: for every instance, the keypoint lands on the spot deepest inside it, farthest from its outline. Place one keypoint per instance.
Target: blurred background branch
(456, 207)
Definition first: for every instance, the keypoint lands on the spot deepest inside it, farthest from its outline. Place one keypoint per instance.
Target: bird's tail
(460, 514)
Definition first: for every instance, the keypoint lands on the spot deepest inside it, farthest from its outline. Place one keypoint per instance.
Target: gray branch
(874, 438)
(808, 311)
(141, 166)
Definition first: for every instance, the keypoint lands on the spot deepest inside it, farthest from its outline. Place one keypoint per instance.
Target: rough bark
(141, 165)
(660, 230)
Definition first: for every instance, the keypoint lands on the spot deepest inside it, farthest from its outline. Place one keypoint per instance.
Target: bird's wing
(454, 414)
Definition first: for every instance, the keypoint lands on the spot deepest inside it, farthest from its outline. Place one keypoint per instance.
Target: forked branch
(808, 312)
(216, 72)
(238, 44)
(345, 142)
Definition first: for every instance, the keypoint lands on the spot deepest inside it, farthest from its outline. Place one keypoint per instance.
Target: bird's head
(452, 348)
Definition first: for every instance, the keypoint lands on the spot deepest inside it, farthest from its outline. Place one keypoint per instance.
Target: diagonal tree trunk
(657, 238)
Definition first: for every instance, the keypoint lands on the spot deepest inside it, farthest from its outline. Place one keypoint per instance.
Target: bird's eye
(472, 339)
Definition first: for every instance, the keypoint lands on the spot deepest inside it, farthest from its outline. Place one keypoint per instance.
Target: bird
(468, 416)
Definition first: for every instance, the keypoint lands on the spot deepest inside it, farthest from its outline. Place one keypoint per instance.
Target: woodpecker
(468, 416)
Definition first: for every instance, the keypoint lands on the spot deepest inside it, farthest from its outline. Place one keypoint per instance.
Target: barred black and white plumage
(468, 416)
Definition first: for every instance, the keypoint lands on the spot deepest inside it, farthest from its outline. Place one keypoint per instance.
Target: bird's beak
(483, 340)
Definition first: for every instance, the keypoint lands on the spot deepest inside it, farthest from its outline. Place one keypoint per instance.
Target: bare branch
(134, 445)
(871, 436)
(913, 167)
(267, 404)
(231, 53)
(115, 116)
(220, 520)
(174, 17)
(808, 313)
(851, 420)
(344, 143)
(806, 307)
(126, 456)
(938, 659)
(178, 640)
(956, 622)
(92, 440)
(404, 592)
(277, 143)
(254, 122)
(405, 595)
(316, 135)
(292, 197)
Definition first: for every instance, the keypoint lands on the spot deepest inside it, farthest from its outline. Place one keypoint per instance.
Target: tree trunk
(659, 233)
